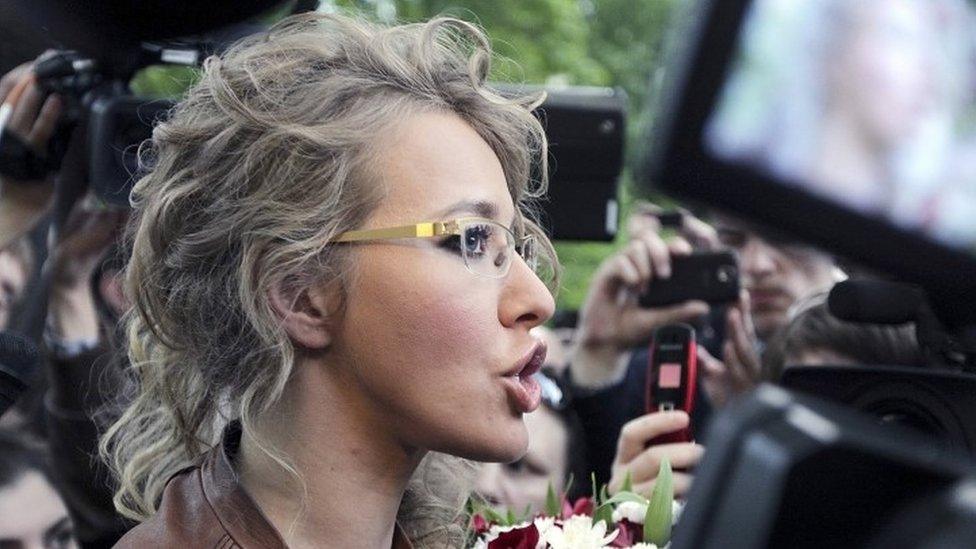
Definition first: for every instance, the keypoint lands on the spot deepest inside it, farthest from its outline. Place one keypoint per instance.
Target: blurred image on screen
(869, 103)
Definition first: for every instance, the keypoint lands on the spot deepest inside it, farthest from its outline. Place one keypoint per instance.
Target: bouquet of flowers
(627, 519)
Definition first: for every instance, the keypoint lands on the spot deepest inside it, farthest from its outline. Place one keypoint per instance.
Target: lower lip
(524, 393)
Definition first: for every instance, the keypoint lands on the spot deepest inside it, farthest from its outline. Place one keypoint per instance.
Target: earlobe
(306, 315)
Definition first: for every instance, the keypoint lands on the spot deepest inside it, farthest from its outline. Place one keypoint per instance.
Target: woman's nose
(525, 298)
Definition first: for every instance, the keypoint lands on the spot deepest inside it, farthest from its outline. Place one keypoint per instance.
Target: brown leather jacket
(206, 507)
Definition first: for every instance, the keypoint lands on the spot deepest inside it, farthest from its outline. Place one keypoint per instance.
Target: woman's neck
(354, 471)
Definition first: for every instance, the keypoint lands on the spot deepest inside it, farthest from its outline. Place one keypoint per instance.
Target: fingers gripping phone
(712, 277)
(672, 373)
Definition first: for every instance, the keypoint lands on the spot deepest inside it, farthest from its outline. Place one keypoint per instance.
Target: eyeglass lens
(487, 248)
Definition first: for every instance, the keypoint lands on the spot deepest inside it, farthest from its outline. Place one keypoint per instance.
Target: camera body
(938, 403)
(789, 470)
(99, 99)
(118, 124)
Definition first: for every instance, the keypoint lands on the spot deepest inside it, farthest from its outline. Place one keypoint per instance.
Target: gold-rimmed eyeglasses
(486, 246)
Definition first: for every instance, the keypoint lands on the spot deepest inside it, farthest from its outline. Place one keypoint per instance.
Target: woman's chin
(497, 445)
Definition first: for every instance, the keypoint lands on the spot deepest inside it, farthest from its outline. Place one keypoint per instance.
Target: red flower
(583, 506)
(519, 538)
(630, 534)
(479, 524)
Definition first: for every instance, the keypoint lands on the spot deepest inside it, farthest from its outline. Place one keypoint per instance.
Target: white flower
(579, 532)
(543, 525)
(630, 510)
(676, 509)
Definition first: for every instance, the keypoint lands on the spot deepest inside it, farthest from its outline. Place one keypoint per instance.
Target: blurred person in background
(32, 515)
(608, 365)
(814, 337)
(84, 364)
(82, 302)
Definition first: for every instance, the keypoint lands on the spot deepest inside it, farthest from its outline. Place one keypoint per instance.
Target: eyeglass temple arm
(420, 230)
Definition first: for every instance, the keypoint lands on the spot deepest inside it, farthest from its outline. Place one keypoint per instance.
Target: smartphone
(672, 372)
(712, 277)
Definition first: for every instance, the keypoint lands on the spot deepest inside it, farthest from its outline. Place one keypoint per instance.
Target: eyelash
(454, 242)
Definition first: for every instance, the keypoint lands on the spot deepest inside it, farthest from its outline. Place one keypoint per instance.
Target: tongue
(531, 394)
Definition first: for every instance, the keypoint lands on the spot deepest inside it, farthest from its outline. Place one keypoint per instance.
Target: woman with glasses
(333, 283)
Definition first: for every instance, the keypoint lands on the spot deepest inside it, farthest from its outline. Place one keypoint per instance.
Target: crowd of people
(322, 318)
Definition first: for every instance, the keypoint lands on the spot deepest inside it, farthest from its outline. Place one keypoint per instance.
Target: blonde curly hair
(251, 176)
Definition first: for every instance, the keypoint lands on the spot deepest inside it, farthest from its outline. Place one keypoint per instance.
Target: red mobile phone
(672, 372)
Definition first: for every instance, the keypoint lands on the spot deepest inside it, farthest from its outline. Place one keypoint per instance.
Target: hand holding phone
(641, 462)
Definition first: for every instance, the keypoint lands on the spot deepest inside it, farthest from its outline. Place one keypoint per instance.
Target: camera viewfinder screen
(867, 103)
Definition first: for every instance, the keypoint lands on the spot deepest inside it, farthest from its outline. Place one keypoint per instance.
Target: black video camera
(938, 400)
(98, 99)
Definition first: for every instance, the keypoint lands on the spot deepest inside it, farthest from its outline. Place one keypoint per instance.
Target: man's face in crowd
(776, 273)
(13, 279)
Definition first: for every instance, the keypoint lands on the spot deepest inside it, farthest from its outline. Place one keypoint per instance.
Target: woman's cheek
(440, 315)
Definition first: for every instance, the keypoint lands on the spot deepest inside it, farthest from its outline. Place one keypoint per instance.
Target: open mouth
(523, 389)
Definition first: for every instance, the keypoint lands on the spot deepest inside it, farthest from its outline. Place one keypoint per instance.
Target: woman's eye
(476, 240)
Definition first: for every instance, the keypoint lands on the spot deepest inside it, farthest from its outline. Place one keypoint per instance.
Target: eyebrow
(481, 207)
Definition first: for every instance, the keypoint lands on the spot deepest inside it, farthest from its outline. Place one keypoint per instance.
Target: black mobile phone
(712, 277)
(672, 372)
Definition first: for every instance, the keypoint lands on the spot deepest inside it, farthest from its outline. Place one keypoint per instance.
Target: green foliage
(604, 513)
(628, 485)
(657, 521)
(552, 501)
(164, 81)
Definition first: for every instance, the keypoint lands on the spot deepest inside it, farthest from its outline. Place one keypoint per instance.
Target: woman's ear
(308, 314)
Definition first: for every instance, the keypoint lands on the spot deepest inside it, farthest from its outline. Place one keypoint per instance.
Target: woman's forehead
(436, 165)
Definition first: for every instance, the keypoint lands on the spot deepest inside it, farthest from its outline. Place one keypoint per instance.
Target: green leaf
(493, 516)
(509, 517)
(552, 502)
(604, 513)
(621, 497)
(527, 514)
(594, 492)
(604, 494)
(657, 521)
(628, 485)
